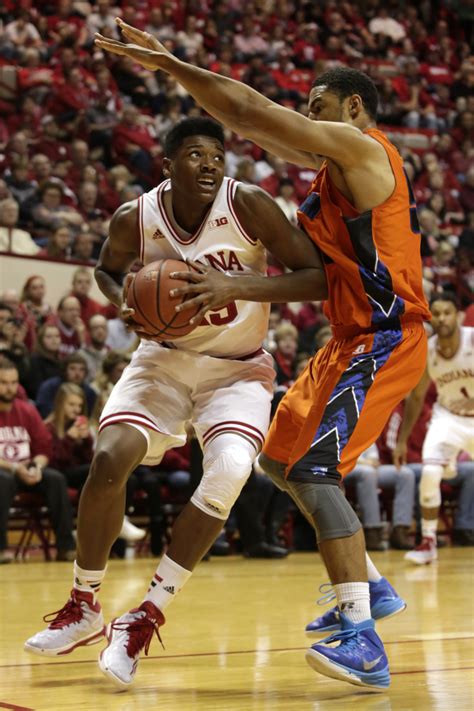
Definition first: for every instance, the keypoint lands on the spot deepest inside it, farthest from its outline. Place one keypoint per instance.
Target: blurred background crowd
(81, 133)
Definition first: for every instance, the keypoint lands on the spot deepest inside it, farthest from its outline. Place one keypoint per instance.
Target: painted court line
(194, 655)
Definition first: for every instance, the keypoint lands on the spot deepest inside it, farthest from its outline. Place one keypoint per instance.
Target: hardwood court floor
(235, 640)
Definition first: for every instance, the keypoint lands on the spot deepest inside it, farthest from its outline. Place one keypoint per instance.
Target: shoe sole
(119, 683)
(322, 630)
(88, 641)
(324, 666)
(420, 562)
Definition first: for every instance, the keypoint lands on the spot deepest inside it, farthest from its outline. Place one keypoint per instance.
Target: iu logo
(360, 349)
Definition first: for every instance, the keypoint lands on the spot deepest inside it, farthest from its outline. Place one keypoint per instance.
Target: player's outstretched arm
(411, 412)
(261, 217)
(247, 112)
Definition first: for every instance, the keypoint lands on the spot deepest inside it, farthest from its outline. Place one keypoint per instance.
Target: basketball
(149, 296)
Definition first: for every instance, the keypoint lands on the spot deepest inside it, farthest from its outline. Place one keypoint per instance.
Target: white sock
(429, 528)
(353, 600)
(88, 580)
(168, 580)
(373, 574)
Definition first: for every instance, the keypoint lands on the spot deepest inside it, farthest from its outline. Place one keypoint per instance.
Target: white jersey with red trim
(454, 377)
(220, 242)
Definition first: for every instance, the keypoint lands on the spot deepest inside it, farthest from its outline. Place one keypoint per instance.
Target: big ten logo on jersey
(218, 222)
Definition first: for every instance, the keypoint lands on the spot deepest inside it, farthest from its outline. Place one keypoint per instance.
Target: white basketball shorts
(163, 389)
(447, 436)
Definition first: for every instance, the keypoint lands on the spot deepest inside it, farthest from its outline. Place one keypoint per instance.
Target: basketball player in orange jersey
(218, 377)
(361, 214)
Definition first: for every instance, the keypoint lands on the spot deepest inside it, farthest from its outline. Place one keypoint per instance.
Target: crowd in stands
(81, 133)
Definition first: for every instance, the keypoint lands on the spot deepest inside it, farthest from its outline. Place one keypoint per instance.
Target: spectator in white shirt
(12, 239)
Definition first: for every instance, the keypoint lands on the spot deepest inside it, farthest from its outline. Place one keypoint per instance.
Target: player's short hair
(344, 82)
(192, 127)
(445, 296)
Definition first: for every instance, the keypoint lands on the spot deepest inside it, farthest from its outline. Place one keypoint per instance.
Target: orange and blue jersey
(372, 259)
(342, 400)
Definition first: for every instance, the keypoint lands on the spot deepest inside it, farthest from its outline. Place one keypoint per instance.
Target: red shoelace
(67, 615)
(426, 545)
(140, 634)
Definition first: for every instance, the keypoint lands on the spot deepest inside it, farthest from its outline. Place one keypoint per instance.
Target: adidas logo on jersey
(169, 589)
(157, 234)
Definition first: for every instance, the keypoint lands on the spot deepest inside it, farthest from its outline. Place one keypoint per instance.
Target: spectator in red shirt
(81, 286)
(71, 438)
(25, 449)
(32, 300)
(135, 146)
(51, 143)
(286, 339)
(70, 325)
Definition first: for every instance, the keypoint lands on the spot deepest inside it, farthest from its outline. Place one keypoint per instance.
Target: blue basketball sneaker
(359, 658)
(384, 602)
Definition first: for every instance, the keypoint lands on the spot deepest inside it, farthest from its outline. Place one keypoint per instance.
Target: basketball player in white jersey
(218, 378)
(451, 429)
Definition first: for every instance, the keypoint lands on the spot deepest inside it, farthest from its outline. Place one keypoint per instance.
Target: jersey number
(219, 317)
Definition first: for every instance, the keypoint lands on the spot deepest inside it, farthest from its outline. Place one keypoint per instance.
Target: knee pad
(430, 492)
(327, 509)
(227, 466)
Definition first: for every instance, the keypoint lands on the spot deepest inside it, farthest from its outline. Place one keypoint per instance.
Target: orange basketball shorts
(341, 402)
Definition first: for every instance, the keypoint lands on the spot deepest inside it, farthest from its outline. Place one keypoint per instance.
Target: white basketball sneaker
(426, 552)
(131, 533)
(127, 636)
(79, 622)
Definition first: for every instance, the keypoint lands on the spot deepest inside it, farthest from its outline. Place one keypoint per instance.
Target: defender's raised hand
(143, 39)
(146, 50)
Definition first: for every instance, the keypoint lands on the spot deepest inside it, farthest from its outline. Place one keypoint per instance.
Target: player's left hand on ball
(207, 288)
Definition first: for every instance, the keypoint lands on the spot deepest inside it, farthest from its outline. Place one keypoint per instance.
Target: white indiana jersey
(220, 242)
(454, 377)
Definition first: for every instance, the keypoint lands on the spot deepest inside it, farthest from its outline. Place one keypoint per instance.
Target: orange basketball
(149, 295)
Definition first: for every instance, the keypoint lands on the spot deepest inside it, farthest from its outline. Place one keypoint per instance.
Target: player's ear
(166, 167)
(355, 105)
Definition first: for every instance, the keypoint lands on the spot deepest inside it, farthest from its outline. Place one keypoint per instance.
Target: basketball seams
(169, 325)
(157, 315)
(136, 306)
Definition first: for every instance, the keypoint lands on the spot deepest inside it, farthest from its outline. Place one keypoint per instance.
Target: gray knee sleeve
(328, 509)
(323, 505)
(274, 470)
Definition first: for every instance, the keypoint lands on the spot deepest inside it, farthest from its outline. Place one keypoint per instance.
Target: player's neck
(185, 215)
(448, 347)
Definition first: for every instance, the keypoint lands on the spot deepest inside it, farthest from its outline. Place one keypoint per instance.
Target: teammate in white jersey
(451, 431)
(218, 378)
